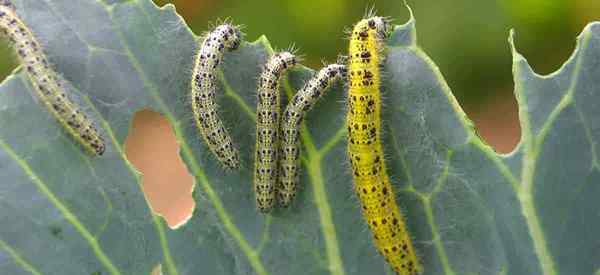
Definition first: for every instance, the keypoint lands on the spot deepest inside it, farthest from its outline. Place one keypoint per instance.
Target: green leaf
(470, 210)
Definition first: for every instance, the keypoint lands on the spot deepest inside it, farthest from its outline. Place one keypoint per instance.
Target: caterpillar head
(232, 35)
(381, 25)
(285, 59)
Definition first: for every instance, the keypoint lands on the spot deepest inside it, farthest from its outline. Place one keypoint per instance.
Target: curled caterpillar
(267, 129)
(371, 181)
(203, 92)
(46, 81)
(301, 103)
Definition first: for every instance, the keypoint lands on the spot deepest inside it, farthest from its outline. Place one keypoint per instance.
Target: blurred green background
(466, 38)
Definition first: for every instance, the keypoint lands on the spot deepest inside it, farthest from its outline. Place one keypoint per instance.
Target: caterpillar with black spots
(371, 181)
(46, 82)
(267, 128)
(204, 106)
(293, 115)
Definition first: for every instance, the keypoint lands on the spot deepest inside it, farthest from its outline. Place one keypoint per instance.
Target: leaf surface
(470, 210)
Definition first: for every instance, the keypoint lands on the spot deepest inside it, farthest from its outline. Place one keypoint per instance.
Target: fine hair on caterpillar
(203, 92)
(293, 116)
(267, 128)
(365, 151)
(47, 83)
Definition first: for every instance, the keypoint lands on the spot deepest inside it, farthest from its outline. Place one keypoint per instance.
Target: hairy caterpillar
(267, 129)
(371, 181)
(204, 106)
(46, 81)
(301, 103)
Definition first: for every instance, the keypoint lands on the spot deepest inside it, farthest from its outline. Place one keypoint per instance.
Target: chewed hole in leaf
(157, 270)
(497, 122)
(152, 148)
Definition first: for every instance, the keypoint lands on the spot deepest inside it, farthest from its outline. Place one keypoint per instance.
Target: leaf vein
(194, 166)
(65, 211)
(19, 259)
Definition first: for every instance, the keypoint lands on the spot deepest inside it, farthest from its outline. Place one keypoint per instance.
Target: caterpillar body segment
(46, 82)
(205, 109)
(267, 129)
(371, 181)
(293, 115)
(8, 4)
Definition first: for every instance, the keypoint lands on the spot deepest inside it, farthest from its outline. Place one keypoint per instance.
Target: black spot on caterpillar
(293, 115)
(8, 4)
(371, 182)
(267, 129)
(210, 55)
(46, 82)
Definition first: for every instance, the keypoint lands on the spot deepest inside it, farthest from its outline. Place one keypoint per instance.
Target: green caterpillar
(46, 81)
(267, 129)
(203, 91)
(293, 115)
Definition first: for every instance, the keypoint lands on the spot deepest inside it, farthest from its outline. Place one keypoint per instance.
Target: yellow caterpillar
(371, 182)
(46, 81)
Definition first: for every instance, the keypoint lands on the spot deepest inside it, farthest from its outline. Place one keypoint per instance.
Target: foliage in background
(466, 37)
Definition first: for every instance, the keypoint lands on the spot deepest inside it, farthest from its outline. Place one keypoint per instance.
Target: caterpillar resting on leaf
(46, 81)
(293, 115)
(204, 106)
(371, 181)
(267, 129)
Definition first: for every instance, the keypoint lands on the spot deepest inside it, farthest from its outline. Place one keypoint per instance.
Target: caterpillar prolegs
(46, 81)
(293, 115)
(371, 181)
(267, 129)
(205, 108)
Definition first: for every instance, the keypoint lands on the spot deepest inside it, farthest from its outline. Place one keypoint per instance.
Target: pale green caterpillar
(225, 36)
(293, 115)
(267, 129)
(46, 82)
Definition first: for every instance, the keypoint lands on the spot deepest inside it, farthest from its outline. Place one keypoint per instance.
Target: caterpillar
(46, 82)
(267, 129)
(210, 126)
(293, 115)
(371, 182)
